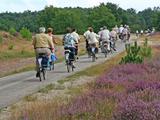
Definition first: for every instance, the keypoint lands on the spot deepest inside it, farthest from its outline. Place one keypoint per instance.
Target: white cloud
(21, 5)
(52, 2)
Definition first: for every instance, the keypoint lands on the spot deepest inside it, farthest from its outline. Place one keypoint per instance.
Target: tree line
(108, 14)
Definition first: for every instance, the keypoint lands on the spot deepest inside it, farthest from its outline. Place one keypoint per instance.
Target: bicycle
(69, 58)
(43, 65)
(105, 48)
(93, 51)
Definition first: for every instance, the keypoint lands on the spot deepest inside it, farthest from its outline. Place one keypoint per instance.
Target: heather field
(126, 92)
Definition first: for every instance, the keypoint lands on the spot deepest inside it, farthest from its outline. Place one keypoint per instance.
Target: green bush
(132, 54)
(12, 31)
(136, 54)
(146, 51)
(25, 33)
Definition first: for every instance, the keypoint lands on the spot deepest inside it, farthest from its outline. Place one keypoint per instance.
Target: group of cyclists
(147, 32)
(44, 43)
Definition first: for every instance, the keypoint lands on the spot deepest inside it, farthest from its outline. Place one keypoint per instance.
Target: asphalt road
(15, 87)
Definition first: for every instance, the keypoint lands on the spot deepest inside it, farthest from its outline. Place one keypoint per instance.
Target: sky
(36, 5)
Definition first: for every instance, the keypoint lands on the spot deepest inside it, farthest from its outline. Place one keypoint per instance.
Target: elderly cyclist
(42, 44)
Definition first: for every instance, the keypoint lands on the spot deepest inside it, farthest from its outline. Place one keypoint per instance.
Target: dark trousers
(72, 52)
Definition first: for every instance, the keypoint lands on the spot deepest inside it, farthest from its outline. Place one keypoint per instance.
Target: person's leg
(39, 51)
(76, 51)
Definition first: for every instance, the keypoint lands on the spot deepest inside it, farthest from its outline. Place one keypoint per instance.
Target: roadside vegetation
(117, 92)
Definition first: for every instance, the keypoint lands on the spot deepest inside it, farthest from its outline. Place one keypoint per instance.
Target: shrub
(133, 109)
(12, 31)
(136, 54)
(146, 51)
(132, 54)
(25, 33)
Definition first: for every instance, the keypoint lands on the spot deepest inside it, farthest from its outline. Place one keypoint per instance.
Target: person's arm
(98, 36)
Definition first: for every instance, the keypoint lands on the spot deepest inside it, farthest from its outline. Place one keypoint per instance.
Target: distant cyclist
(125, 34)
(86, 38)
(99, 33)
(50, 33)
(120, 32)
(105, 37)
(137, 33)
(129, 33)
(92, 40)
(113, 37)
(42, 44)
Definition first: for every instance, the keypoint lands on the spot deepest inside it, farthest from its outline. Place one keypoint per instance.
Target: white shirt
(137, 31)
(86, 34)
(105, 35)
(121, 29)
(92, 38)
(76, 36)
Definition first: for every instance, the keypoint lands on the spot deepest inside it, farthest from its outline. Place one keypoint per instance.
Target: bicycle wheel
(105, 52)
(52, 65)
(68, 66)
(40, 75)
(93, 57)
(44, 74)
(72, 66)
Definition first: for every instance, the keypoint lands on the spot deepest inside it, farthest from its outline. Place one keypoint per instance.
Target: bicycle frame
(69, 61)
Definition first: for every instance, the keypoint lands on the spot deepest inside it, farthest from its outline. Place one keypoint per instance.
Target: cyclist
(137, 33)
(50, 33)
(86, 38)
(105, 38)
(69, 43)
(99, 33)
(129, 33)
(92, 40)
(120, 32)
(77, 39)
(42, 44)
(113, 37)
(117, 31)
(125, 33)
(52, 56)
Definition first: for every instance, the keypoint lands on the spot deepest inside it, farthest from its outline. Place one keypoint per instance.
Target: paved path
(15, 87)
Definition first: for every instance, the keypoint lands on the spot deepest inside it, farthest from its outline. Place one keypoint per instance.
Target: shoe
(37, 74)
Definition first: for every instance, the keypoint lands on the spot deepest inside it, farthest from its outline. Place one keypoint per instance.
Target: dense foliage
(59, 18)
(25, 33)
